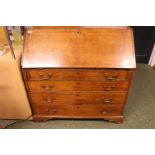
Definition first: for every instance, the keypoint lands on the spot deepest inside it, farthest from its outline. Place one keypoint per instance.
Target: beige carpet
(139, 111)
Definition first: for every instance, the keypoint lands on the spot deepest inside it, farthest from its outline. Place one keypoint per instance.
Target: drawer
(65, 98)
(83, 110)
(77, 74)
(77, 86)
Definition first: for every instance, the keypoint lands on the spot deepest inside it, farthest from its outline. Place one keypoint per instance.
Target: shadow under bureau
(78, 72)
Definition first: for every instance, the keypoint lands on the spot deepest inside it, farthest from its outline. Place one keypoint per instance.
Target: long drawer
(77, 98)
(78, 74)
(74, 110)
(77, 85)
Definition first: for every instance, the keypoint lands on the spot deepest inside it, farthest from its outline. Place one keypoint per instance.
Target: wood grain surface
(79, 47)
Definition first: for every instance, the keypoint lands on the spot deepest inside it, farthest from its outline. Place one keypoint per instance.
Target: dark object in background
(144, 37)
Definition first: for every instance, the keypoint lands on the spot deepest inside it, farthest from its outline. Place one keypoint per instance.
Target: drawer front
(82, 110)
(77, 98)
(77, 85)
(77, 74)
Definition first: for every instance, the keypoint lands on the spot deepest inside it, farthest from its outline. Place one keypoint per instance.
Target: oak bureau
(78, 72)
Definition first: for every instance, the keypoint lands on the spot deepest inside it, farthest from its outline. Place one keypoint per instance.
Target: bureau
(78, 72)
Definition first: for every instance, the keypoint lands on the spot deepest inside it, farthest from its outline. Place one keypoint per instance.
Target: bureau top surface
(79, 47)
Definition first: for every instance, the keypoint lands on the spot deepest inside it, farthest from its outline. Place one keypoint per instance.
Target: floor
(139, 111)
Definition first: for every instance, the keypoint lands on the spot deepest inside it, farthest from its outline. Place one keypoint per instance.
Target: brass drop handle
(108, 88)
(78, 104)
(48, 100)
(111, 78)
(45, 77)
(51, 111)
(106, 100)
(47, 87)
(103, 112)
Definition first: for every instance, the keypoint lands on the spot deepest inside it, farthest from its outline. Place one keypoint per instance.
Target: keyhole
(78, 32)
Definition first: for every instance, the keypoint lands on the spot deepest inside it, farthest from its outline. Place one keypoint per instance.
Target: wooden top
(79, 47)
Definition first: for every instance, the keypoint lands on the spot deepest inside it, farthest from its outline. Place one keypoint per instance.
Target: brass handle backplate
(110, 77)
(47, 87)
(48, 100)
(108, 88)
(103, 112)
(51, 111)
(106, 100)
(47, 77)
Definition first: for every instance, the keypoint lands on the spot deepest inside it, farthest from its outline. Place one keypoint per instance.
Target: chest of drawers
(78, 72)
